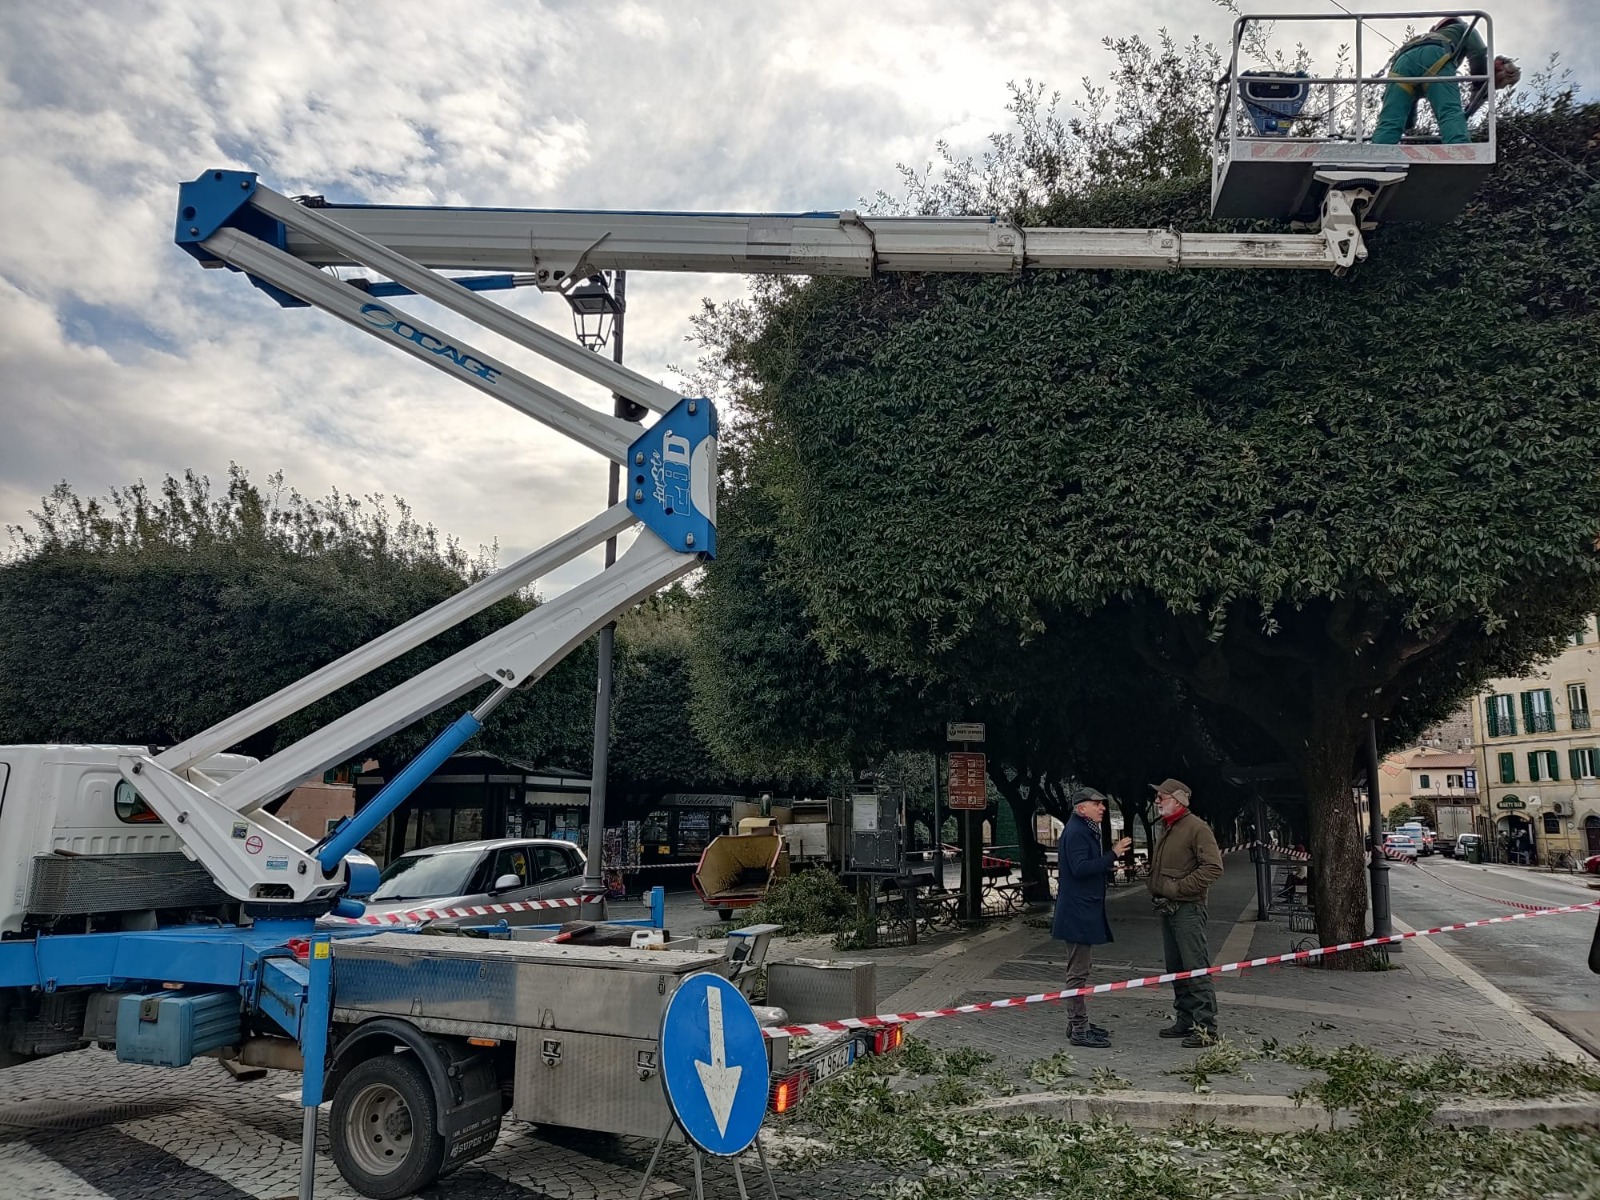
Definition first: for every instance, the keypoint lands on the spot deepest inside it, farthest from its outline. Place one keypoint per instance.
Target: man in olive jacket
(1081, 869)
(1185, 864)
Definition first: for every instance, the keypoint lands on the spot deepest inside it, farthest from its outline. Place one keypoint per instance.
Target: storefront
(1514, 833)
(474, 796)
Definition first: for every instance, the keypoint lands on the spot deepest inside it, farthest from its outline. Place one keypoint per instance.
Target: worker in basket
(1436, 54)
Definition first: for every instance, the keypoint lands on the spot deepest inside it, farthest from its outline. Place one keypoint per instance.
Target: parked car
(499, 871)
(1420, 834)
(1402, 843)
(1462, 845)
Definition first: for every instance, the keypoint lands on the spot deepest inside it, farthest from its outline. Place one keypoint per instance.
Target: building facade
(1539, 756)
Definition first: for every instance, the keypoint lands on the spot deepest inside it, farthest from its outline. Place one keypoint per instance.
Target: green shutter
(1554, 764)
(1491, 717)
(1533, 766)
(1575, 762)
(1527, 711)
(1508, 768)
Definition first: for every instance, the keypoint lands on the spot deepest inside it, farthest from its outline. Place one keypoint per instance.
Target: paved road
(1542, 963)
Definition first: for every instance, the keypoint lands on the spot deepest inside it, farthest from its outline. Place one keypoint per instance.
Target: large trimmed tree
(1312, 501)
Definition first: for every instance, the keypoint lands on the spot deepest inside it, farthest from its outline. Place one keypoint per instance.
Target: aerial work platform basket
(1277, 130)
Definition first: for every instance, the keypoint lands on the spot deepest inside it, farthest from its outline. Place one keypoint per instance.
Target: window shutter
(1527, 711)
(1554, 763)
(1575, 761)
(1508, 768)
(1492, 717)
(1533, 766)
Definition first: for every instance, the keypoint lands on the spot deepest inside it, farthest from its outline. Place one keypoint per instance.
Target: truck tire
(724, 914)
(384, 1127)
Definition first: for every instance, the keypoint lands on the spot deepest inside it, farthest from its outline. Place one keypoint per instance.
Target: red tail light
(786, 1092)
(885, 1040)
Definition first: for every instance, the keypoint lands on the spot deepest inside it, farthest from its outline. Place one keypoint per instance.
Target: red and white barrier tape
(1490, 899)
(469, 910)
(1273, 849)
(887, 1019)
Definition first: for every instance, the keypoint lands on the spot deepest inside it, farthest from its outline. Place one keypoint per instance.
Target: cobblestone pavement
(82, 1126)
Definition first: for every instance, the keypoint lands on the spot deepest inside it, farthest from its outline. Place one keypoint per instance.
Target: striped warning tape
(883, 1019)
(410, 915)
(1490, 899)
(1272, 848)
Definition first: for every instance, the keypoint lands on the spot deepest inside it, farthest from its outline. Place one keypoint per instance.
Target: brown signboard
(969, 785)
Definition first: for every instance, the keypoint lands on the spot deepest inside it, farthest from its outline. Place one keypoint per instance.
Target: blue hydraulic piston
(353, 830)
(672, 477)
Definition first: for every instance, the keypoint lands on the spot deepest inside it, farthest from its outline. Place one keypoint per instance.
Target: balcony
(1541, 722)
(1580, 719)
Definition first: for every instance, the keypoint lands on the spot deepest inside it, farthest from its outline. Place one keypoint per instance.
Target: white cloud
(121, 359)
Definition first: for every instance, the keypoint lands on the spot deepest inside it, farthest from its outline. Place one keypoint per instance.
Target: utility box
(810, 990)
(167, 1029)
(877, 841)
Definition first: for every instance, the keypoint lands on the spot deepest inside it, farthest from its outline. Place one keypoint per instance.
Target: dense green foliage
(655, 744)
(149, 617)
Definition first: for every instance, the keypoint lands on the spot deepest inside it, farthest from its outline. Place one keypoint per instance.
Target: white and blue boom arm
(228, 219)
(672, 484)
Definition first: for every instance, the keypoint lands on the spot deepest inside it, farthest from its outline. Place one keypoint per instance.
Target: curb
(1280, 1114)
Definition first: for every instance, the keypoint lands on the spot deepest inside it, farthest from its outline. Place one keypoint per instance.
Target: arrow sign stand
(699, 1182)
(714, 1073)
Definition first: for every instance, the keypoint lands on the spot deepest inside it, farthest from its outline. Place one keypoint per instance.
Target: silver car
(498, 871)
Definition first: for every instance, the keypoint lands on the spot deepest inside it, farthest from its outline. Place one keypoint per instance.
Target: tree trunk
(1035, 884)
(1339, 882)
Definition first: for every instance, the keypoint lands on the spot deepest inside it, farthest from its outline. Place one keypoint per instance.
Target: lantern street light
(595, 310)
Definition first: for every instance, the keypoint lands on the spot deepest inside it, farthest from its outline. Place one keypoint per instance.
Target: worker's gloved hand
(1506, 72)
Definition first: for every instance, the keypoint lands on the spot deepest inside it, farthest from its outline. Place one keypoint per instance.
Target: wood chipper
(737, 869)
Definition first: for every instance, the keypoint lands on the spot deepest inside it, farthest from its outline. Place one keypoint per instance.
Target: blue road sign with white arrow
(714, 1064)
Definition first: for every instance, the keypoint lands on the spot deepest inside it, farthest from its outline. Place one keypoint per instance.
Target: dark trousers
(1183, 937)
(1080, 958)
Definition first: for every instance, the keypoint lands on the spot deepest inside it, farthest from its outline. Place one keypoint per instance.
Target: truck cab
(84, 853)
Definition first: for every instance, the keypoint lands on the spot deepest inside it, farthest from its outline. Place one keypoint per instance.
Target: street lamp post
(597, 312)
(1382, 924)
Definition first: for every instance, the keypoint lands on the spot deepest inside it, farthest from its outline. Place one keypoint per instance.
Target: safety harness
(1453, 52)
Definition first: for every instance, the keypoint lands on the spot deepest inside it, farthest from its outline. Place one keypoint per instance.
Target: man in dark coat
(1082, 866)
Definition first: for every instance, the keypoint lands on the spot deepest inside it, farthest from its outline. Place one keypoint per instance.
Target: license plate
(832, 1062)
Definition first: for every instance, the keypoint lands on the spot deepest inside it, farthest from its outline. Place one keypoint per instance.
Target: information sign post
(969, 796)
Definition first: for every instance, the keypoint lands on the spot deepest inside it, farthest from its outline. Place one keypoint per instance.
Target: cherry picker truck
(222, 929)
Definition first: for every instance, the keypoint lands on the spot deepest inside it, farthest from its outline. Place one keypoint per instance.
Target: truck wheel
(384, 1128)
(724, 914)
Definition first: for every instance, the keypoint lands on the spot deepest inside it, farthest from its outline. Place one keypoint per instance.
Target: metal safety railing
(1303, 105)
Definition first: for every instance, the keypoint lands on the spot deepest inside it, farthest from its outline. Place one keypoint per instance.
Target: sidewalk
(1427, 1004)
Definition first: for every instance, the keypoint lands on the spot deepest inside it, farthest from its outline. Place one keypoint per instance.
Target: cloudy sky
(120, 359)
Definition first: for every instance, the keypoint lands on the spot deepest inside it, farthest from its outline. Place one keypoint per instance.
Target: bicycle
(1562, 859)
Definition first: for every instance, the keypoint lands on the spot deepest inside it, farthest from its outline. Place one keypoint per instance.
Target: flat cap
(1173, 787)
